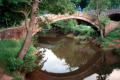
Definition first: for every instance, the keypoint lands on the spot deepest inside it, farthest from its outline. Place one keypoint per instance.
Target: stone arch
(79, 16)
(115, 16)
(90, 23)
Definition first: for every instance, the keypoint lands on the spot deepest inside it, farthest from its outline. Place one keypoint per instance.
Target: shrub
(110, 36)
(17, 76)
(9, 51)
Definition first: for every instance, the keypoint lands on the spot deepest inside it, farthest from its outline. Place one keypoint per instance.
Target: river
(64, 58)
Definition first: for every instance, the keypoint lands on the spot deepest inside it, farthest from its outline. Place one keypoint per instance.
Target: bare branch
(25, 13)
(21, 11)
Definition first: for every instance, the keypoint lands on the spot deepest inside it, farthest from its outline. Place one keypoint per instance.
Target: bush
(71, 25)
(9, 51)
(110, 37)
(17, 76)
(114, 34)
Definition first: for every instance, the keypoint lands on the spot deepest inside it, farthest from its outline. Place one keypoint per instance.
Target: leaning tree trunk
(30, 31)
(102, 33)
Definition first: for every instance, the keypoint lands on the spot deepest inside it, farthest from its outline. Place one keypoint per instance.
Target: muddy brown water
(65, 58)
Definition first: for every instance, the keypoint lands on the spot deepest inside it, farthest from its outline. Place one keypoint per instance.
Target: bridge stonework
(20, 31)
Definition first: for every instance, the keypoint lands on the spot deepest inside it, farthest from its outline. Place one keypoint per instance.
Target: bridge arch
(89, 19)
(115, 16)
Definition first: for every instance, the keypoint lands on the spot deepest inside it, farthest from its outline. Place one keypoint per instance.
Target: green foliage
(17, 76)
(101, 17)
(83, 29)
(76, 2)
(71, 25)
(104, 42)
(114, 34)
(99, 4)
(47, 26)
(29, 60)
(9, 51)
(116, 51)
(103, 20)
(81, 3)
(0, 2)
(8, 16)
(56, 6)
(13, 63)
(105, 4)
(65, 25)
(110, 37)
(114, 4)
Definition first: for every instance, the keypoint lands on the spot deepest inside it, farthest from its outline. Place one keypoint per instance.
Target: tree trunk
(32, 24)
(101, 33)
(26, 44)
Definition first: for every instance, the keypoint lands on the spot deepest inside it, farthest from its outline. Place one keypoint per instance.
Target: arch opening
(115, 17)
(87, 26)
(79, 20)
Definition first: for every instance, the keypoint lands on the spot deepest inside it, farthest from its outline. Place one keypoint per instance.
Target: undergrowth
(8, 52)
(109, 38)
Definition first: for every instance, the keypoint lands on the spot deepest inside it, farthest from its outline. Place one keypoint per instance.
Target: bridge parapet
(54, 18)
(107, 12)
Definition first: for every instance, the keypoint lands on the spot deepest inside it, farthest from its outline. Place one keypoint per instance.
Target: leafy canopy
(9, 17)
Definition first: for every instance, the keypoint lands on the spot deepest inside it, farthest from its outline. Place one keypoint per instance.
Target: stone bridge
(83, 16)
(20, 31)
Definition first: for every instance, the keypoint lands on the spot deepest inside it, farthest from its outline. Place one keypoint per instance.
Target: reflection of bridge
(86, 17)
(90, 68)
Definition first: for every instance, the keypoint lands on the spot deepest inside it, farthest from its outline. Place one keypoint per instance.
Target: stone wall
(13, 33)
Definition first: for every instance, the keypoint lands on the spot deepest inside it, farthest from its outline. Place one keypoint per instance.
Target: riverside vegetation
(11, 64)
(10, 48)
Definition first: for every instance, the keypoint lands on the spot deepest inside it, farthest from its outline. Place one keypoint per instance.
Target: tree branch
(24, 12)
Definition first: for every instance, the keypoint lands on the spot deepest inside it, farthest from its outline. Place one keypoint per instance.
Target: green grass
(9, 50)
(110, 37)
(114, 34)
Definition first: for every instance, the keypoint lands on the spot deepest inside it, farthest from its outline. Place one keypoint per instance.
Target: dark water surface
(64, 58)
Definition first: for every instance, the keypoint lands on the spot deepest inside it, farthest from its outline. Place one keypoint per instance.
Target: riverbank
(64, 49)
(10, 65)
(13, 46)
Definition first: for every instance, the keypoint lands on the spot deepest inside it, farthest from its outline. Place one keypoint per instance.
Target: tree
(8, 17)
(81, 3)
(32, 23)
(102, 21)
(114, 3)
(10, 12)
(100, 6)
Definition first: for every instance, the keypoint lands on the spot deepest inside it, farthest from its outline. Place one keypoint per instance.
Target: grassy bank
(8, 52)
(112, 42)
(110, 37)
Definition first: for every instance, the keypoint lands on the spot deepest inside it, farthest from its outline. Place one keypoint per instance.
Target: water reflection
(68, 59)
(92, 77)
(54, 64)
(66, 55)
(115, 75)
